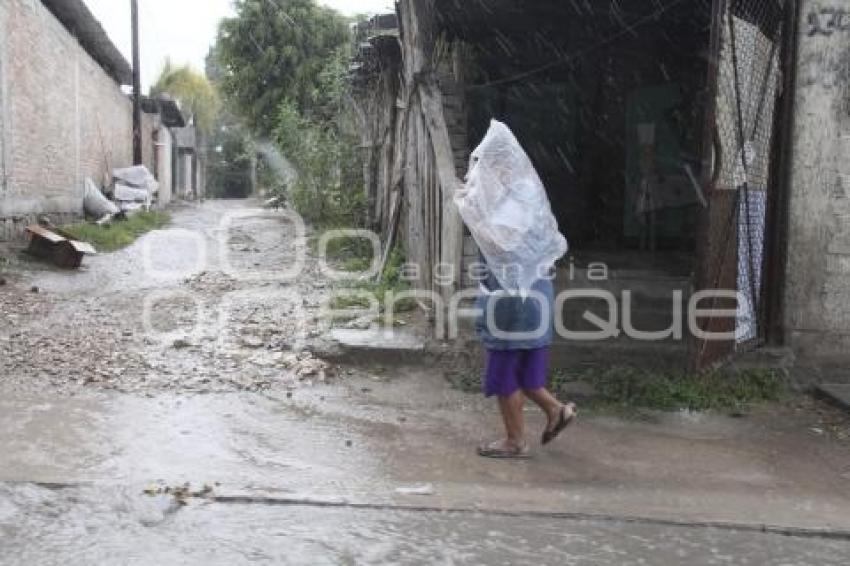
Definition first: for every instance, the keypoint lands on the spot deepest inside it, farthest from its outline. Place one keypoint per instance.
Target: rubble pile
(305, 366)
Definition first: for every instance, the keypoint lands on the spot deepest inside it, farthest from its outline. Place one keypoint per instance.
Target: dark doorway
(609, 102)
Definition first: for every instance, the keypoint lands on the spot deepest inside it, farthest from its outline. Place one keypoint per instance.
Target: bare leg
(511, 408)
(548, 404)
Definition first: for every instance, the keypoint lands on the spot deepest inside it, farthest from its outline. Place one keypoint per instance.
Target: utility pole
(137, 85)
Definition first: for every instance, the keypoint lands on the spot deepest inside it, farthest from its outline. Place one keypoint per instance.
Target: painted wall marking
(827, 21)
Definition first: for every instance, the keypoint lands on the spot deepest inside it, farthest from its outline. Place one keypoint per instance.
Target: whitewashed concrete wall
(164, 146)
(818, 280)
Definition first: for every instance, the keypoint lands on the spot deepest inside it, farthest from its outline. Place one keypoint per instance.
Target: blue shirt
(516, 315)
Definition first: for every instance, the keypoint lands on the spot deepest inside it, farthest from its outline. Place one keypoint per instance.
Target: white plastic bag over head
(505, 207)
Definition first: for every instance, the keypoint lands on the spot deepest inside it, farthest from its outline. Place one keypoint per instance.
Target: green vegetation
(721, 390)
(229, 160)
(323, 148)
(192, 90)
(276, 50)
(231, 148)
(350, 253)
(282, 67)
(623, 388)
(352, 257)
(118, 234)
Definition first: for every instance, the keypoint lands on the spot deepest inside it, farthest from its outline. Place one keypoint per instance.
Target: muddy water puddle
(96, 525)
(239, 440)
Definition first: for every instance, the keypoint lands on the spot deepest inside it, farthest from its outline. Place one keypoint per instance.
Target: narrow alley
(424, 282)
(200, 440)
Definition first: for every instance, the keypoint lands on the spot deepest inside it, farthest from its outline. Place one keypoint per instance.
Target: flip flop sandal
(563, 422)
(498, 450)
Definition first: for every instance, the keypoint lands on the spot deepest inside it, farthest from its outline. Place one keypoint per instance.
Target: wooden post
(451, 231)
(253, 174)
(137, 85)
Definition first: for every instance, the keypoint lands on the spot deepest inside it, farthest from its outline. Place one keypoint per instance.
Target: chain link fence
(748, 87)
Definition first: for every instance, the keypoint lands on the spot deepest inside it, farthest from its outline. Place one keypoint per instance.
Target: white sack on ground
(95, 204)
(130, 194)
(505, 207)
(138, 177)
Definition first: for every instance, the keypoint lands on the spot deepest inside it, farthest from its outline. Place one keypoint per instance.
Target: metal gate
(747, 72)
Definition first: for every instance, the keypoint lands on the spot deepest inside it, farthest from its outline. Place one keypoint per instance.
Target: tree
(230, 159)
(324, 149)
(274, 50)
(196, 95)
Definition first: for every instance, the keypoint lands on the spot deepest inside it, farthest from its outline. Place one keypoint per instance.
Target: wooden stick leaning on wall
(396, 183)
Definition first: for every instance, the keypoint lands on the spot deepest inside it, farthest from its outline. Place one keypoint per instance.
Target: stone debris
(423, 489)
(181, 493)
(210, 332)
(305, 366)
(211, 281)
(181, 344)
(252, 341)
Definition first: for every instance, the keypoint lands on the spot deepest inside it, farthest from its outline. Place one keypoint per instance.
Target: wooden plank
(417, 235)
(451, 229)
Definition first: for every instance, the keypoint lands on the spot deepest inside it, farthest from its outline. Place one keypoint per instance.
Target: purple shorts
(508, 371)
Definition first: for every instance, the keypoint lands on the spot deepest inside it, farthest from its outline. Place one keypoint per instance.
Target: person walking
(517, 332)
(505, 206)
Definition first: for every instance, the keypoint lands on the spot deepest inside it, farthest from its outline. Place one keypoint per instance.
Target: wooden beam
(451, 229)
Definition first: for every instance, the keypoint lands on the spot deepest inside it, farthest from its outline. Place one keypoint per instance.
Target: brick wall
(818, 280)
(62, 118)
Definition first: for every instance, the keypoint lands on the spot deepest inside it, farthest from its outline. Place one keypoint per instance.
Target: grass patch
(349, 250)
(356, 259)
(118, 234)
(666, 391)
(622, 389)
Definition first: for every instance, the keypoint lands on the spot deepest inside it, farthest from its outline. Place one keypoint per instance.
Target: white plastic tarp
(129, 194)
(505, 207)
(137, 177)
(95, 204)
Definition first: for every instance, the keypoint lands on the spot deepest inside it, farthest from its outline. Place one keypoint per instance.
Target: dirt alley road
(199, 307)
(102, 408)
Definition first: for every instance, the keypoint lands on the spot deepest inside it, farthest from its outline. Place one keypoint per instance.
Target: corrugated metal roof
(167, 107)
